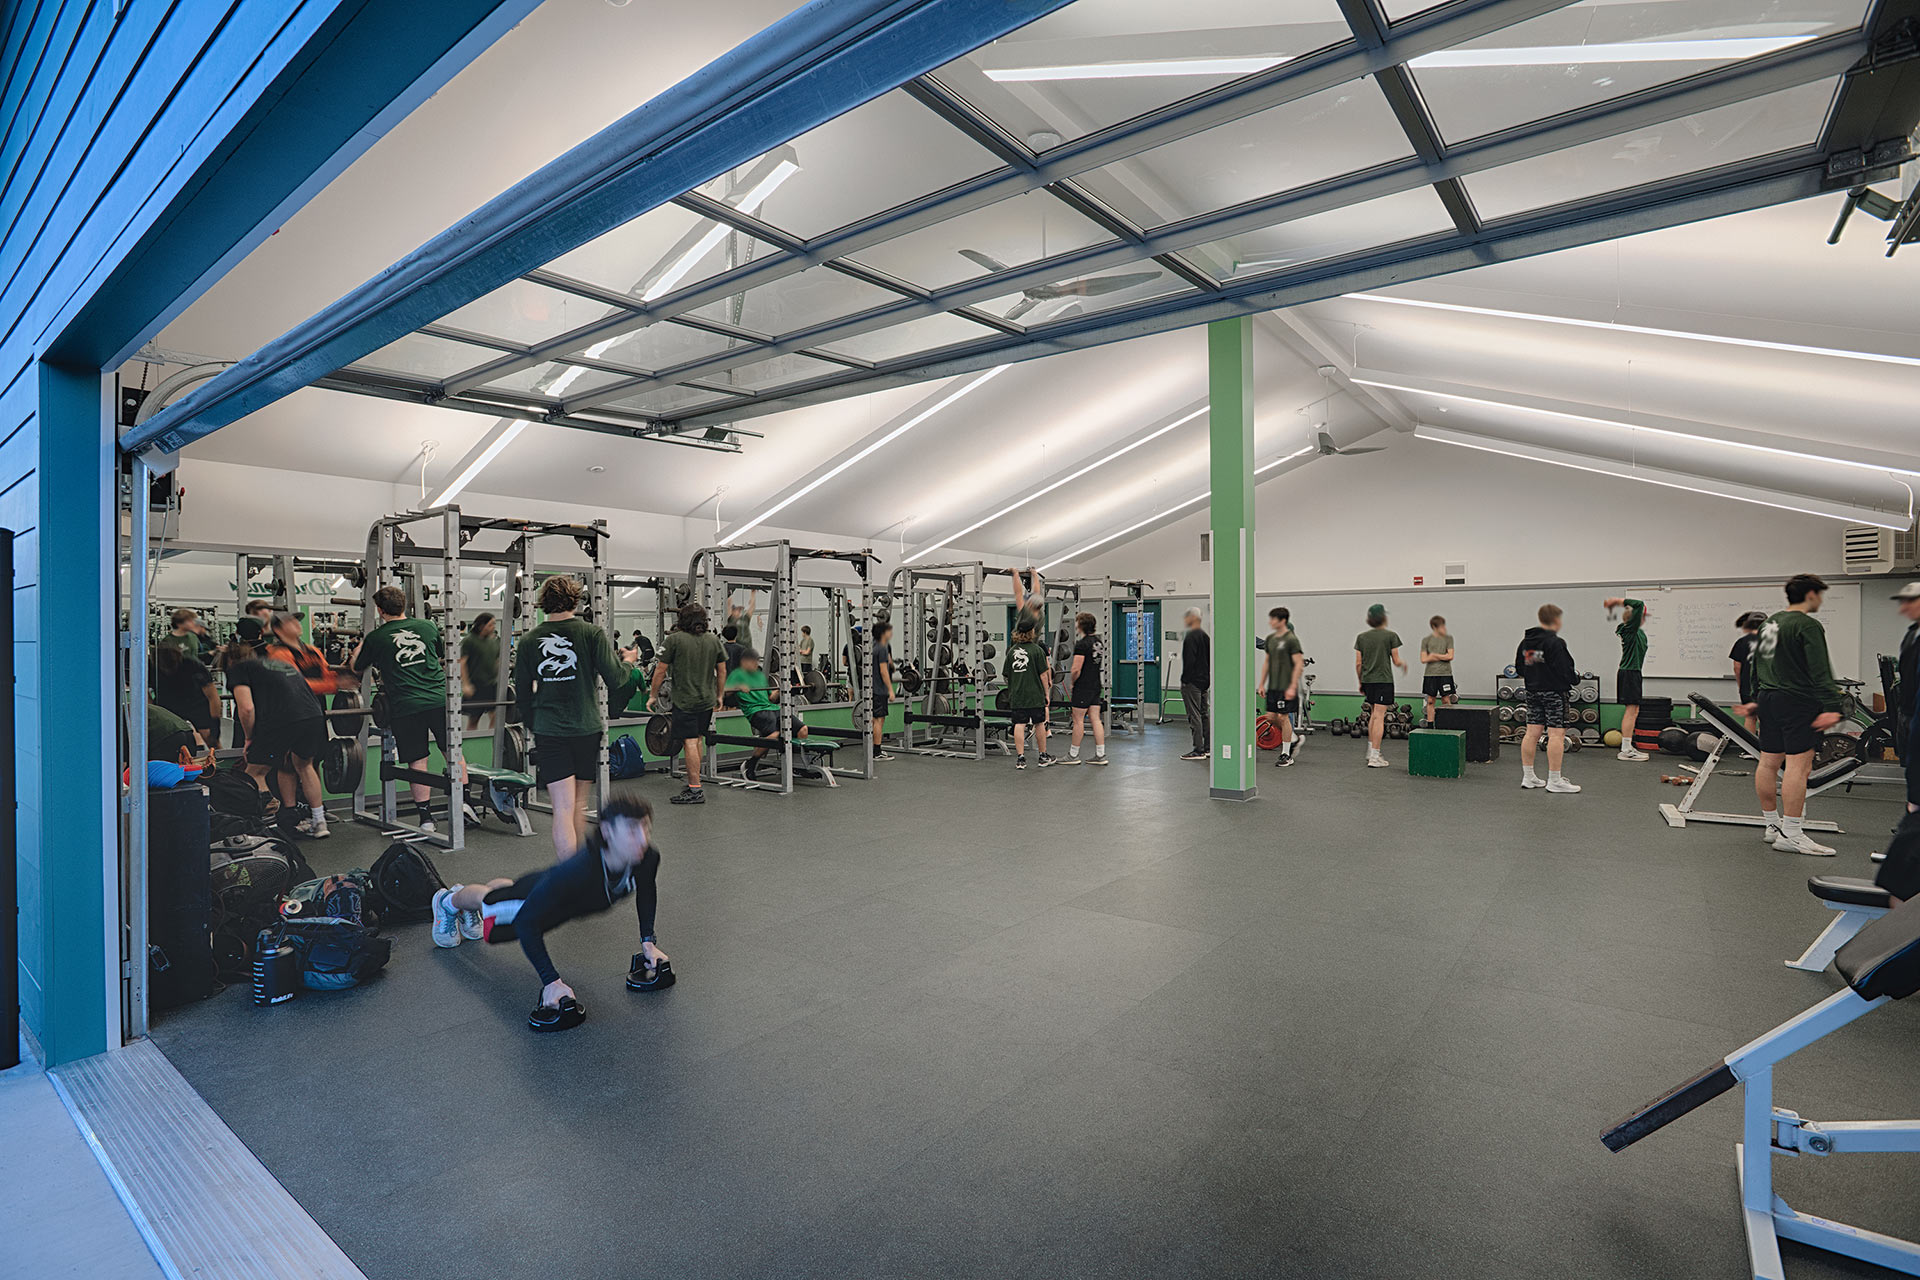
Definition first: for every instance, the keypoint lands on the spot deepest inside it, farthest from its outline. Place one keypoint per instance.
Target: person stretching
(1085, 688)
(1548, 668)
(1376, 652)
(1281, 662)
(1799, 700)
(617, 860)
(1436, 655)
(1029, 678)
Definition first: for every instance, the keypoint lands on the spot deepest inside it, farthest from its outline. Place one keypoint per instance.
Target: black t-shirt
(185, 692)
(1087, 684)
(882, 657)
(280, 693)
(1742, 653)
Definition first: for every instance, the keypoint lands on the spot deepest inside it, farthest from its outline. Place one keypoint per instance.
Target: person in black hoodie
(1550, 674)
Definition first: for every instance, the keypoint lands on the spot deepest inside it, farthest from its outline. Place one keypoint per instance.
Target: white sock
(1074, 752)
(1553, 775)
(1526, 771)
(1791, 826)
(1772, 816)
(1100, 748)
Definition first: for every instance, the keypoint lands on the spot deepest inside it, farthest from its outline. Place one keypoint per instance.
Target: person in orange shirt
(289, 648)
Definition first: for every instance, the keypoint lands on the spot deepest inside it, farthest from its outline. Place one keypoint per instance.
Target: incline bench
(1733, 731)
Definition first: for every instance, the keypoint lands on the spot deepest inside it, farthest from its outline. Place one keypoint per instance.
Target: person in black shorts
(1029, 678)
(1436, 657)
(283, 722)
(1741, 655)
(1282, 660)
(1085, 690)
(1629, 682)
(617, 860)
(406, 654)
(1799, 700)
(882, 686)
(697, 660)
(1376, 652)
(1544, 662)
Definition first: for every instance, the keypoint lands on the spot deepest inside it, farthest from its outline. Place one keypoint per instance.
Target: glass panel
(1371, 224)
(798, 301)
(1011, 233)
(909, 339)
(527, 313)
(424, 356)
(667, 249)
(872, 158)
(663, 346)
(1775, 122)
(1599, 49)
(1079, 296)
(766, 373)
(669, 400)
(1338, 130)
(1098, 62)
(555, 380)
(1401, 10)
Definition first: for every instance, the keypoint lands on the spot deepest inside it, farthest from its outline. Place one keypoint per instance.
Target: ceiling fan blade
(1354, 453)
(1023, 306)
(983, 260)
(1097, 285)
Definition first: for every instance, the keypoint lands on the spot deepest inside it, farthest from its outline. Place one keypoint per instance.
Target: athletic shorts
(559, 756)
(1377, 693)
(1626, 688)
(691, 724)
(273, 743)
(880, 706)
(1087, 698)
(411, 732)
(1437, 686)
(500, 906)
(764, 722)
(1786, 723)
(1547, 708)
(1279, 705)
(1026, 715)
(481, 693)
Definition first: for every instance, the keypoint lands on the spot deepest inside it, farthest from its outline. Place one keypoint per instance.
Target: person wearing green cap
(1376, 652)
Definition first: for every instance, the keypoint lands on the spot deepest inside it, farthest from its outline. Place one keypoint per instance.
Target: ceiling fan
(1084, 287)
(1329, 450)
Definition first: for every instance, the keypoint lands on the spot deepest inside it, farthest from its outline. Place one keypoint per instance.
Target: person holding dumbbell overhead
(1633, 658)
(1799, 700)
(1376, 652)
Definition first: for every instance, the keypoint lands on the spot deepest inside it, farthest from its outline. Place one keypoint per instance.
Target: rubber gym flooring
(969, 1022)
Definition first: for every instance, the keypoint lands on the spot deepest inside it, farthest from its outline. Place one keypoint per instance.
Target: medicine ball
(1673, 740)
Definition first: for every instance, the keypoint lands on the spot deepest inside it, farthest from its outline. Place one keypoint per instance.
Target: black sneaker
(689, 795)
(1286, 758)
(1020, 762)
(751, 769)
(1045, 760)
(1196, 755)
(1098, 760)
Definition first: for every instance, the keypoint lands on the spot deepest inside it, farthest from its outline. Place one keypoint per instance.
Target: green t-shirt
(1791, 657)
(1633, 637)
(166, 733)
(406, 653)
(691, 660)
(188, 645)
(1280, 651)
(483, 660)
(554, 669)
(752, 688)
(1431, 643)
(1022, 670)
(743, 629)
(1375, 646)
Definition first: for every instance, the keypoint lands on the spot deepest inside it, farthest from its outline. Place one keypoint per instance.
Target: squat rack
(948, 647)
(711, 581)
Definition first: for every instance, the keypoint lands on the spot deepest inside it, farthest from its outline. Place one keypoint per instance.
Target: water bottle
(276, 974)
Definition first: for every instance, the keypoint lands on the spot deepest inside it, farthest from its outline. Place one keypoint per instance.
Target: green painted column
(1230, 467)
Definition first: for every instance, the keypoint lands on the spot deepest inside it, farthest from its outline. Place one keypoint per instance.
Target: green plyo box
(1437, 753)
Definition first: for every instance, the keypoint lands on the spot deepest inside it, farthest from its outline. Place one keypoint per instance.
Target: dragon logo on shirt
(408, 648)
(1021, 661)
(557, 657)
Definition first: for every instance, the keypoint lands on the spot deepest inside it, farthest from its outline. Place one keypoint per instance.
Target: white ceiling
(575, 65)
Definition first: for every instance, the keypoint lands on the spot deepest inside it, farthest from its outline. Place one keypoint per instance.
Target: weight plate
(1064, 652)
(987, 651)
(1003, 699)
(345, 760)
(1833, 746)
(660, 741)
(516, 750)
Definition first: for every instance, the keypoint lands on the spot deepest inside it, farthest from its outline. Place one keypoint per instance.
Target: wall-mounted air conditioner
(1868, 549)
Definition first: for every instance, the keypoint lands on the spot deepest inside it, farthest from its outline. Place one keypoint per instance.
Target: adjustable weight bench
(1733, 732)
(1855, 904)
(505, 793)
(1881, 964)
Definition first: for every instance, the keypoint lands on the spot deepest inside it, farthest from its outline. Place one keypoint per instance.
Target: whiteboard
(1690, 629)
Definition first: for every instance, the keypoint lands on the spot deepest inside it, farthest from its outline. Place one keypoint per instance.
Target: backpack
(234, 793)
(249, 876)
(333, 954)
(625, 758)
(341, 897)
(403, 882)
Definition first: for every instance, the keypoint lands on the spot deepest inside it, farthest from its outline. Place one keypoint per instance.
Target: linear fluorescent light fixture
(508, 434)
(1665, 479)
(1091, 466)
(1723, 49)
(1756, 344)
(1243, 66)
(964, 389)
(1170, 511)
(1772, 450)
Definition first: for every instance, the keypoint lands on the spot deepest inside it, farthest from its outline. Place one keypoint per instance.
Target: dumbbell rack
(1510, 690)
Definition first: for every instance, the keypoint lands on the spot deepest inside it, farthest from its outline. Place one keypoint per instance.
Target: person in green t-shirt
(741, 620)
(188, 634)
(748, 691)
(406, 654)
(172, 739)
(1281, 663)
(697, 660)
(480, 669)
(1633, 660)
(1436, 655)
(1799, 700)
(1029, 678)
(555, 666)
(1376, 652)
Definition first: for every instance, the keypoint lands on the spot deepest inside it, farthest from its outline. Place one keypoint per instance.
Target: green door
(1136, 651)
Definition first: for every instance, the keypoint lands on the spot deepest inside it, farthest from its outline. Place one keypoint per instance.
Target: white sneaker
(1628, 753)
(472, 927)
(1561, 787)
(1801, 842)
(470, 814)
(446, 920)
(313, 828)
(1529, 781)
(1377, 762)
(1771, 832)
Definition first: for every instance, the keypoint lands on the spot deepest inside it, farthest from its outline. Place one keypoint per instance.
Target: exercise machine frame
(957, 588)
(1734, 733)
